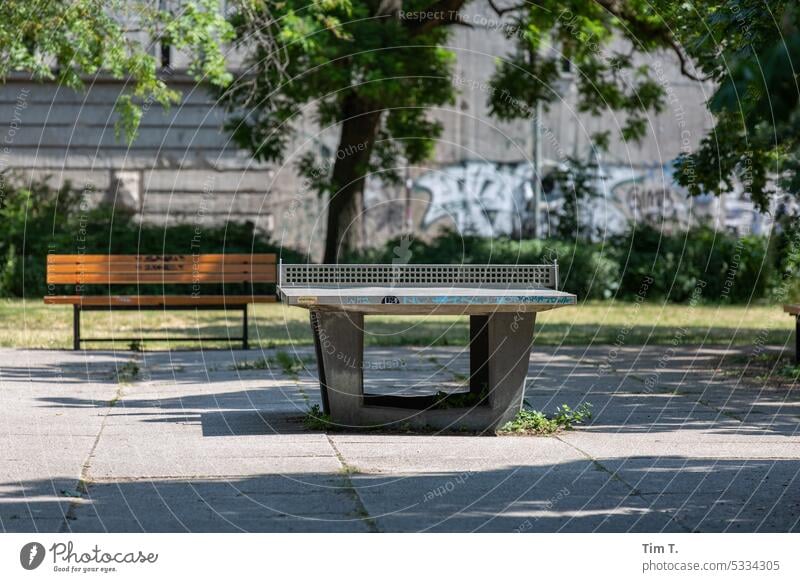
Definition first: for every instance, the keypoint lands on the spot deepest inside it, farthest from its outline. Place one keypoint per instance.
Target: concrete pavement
(181, 441)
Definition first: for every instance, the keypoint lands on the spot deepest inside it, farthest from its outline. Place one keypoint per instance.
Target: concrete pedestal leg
(510, 342)
(339, 342)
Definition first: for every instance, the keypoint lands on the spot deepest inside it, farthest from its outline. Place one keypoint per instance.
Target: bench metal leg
(797, 340)
(245, 343)
(76, 327)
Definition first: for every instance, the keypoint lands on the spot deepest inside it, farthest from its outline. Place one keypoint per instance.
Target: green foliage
(785, 255)
(607, 77)
(577, 181)
(337, 57)
(127, 372)
(644, 262)
(315, 419)
(747, 48)
(288, 364)
(371, 70)
(38, 220)
(69, 41)
(584, 268)
(538, 423)
(713, 266)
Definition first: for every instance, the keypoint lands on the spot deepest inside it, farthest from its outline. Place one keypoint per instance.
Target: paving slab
(201, 441)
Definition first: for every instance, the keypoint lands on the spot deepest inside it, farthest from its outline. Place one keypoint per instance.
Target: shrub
(583, 268)
(38, 220)
(722, 266)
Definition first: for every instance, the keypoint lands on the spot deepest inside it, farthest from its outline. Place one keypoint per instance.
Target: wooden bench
(191, 270)
(795, 311)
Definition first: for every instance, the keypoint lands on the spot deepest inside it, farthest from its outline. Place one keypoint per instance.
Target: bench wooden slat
(99, 268)
(158, 300)
(165, 277)
(164, 269)
(256, 258)
(792, 309)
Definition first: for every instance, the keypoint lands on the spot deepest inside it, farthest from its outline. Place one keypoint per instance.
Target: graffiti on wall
(478, 197)
(493, 199)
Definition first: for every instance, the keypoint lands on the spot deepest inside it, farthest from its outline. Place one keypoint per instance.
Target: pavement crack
(84, 481)
(346, 472)
(632, 491)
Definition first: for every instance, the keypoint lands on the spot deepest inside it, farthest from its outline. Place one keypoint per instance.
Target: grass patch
(128, 372)
(445, 400)
(288, 364)
(31, 324)
(790, 372)
(527, 422)
(257, 364)
(315, 419)
(769, 369)
(534, 422)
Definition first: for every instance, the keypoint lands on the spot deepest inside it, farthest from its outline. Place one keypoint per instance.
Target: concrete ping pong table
(500, 300)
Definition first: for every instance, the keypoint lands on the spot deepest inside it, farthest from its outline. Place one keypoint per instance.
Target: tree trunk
(360, 123)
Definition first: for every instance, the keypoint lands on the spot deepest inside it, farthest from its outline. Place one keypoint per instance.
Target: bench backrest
(160, 269)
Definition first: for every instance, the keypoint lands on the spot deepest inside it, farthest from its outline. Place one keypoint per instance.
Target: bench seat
(241, 269)
(158, 300)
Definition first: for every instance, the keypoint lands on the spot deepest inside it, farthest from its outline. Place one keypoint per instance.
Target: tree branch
(661, 33)
(676, 48)
(501, 11)
(442, 13)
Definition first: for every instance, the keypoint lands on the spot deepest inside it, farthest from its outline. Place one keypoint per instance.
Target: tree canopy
(749, 49)
(70, 41)
(372, 70)
(374, 67)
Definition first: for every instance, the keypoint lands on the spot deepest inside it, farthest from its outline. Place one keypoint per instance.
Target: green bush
(38, 220)
(583, 268)
(709, 265)
(714, 266)
(784, 250)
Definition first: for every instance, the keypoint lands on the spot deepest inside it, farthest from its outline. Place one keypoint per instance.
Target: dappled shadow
(636, 494)
(633, 390)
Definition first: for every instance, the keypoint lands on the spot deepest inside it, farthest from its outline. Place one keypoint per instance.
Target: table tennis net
(503, 276)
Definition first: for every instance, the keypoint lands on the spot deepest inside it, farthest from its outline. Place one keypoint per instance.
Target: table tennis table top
(423, 289)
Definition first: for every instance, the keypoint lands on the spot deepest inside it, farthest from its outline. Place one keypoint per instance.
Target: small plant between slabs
(315, 419)
(128, 372)
(534, 422)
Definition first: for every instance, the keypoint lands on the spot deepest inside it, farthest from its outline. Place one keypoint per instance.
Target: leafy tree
(68, 41)
(373, 67)
(751, 50)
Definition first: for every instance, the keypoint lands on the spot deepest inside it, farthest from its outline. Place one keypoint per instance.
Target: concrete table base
(500, 345)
